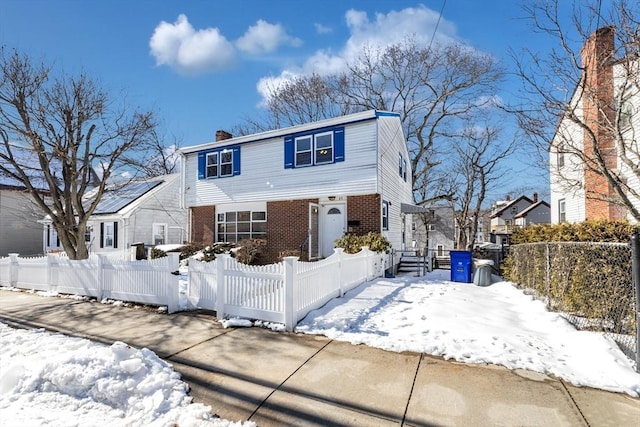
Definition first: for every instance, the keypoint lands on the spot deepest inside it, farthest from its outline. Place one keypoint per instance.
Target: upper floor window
(560, 155)
(316, 148)
(219, 163)
(402, 167)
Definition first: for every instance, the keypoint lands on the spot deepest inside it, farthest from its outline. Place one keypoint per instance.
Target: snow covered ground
(55, 380)
(50, 379)
(496, 324)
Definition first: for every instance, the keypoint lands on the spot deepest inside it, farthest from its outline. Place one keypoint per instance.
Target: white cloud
(188, 51)
(265, 38)
(322, 29)
(386, 29)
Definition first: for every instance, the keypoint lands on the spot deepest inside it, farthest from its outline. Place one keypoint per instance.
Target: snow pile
(497, 324)
(52, 379)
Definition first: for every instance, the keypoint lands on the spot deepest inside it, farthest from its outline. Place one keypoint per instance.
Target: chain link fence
(590, 284)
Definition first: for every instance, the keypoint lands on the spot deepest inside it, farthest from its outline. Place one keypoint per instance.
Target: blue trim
(387, 114)
(338, 144)
(236, 161)
(289, 152)
(202, 164)
(202, 161)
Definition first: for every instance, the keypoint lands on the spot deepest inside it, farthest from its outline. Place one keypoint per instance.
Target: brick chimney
(598, 101)
(535, 197)
(221, 135)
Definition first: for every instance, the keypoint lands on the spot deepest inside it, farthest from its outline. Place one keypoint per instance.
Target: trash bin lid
(479, 262)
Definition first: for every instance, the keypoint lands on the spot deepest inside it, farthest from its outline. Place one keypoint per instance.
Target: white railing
(284, 292)
(146, 282)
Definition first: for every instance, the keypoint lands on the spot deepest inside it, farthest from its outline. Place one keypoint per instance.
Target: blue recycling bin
(460, 266)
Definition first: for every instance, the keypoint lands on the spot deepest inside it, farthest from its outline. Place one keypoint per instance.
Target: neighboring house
(577, 193)
(302, 187)
(20, 231)
(438, 234)
(142, 211)
(506, 215)
(537, 213)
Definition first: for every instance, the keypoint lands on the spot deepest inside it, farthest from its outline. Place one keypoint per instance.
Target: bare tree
(580, 100)
(478, 168)
(161, 157)
(433, 88)
(54, 129)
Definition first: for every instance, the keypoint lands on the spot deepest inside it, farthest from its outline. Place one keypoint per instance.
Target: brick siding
(287, 227)
(598, 109)
(203, 224)
(367, 210)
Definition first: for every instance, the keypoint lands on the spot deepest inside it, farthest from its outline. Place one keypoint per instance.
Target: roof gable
(531, 208)
(503, 209)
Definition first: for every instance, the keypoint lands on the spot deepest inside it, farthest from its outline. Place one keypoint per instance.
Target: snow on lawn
(52, 379)
(497, 324)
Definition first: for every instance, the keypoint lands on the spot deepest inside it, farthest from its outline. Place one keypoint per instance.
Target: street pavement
(288, 379)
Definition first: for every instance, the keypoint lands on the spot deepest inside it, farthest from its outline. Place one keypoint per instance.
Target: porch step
(410, 264)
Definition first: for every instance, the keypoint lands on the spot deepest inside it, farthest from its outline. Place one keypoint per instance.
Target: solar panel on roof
(114, 200)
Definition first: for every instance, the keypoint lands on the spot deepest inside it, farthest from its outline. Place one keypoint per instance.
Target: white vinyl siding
(265, 178)
(393, 188)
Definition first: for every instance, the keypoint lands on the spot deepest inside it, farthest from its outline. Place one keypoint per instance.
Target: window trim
(205, 162)
(222, 226)
(385, 215)
(562, 210)
(165, 237)
(337, 147)
(402, 167)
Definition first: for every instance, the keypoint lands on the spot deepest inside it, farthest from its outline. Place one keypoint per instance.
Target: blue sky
(201, 64)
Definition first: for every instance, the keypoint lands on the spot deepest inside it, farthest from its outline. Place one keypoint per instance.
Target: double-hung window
(219, 163)
(304, 151)
(325, 146)
(314, 149)
(562, 210)
(212, 165)
(402, 167)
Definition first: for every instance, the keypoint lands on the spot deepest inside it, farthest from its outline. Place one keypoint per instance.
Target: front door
(333, 226)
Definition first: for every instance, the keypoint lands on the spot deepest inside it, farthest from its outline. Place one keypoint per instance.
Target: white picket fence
(284, 292)
(99, 276)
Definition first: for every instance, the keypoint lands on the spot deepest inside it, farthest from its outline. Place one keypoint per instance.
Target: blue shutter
(202, 165)
(289, 151)
(236, 160)
(102, 234)
(115, 235)
(338, 144)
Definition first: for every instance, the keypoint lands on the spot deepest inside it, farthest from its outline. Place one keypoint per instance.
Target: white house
(302, 187)
(143, 211)
(579, 192)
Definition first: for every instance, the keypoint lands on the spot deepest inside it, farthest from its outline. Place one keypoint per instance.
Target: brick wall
(202, 224)
(287, 227)
(598, 110)
(366, 210)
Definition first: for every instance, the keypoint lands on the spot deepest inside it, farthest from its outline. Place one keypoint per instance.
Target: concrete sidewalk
(277, 379)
